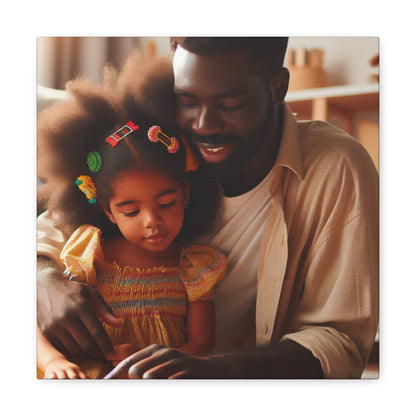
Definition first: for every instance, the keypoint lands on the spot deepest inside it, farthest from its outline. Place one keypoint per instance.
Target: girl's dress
(151, 303)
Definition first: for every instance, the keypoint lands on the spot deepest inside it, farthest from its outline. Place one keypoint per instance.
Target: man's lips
(216, 152)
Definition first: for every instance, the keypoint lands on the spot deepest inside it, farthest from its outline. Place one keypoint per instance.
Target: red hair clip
(116, 137)
(156, 134)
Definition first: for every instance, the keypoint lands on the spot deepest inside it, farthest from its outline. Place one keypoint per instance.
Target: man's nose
(206, 121)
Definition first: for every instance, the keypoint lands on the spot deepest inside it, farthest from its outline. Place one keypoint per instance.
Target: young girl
(136, 197)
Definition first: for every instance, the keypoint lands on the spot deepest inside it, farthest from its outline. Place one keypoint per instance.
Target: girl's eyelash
(131, 214)
(163, 206)
(170, 204)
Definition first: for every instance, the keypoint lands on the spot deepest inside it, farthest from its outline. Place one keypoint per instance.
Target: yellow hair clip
(87, 186)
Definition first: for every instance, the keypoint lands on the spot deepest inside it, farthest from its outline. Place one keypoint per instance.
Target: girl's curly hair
(68, 130)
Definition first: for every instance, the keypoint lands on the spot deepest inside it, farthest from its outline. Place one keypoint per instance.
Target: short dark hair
(68, 131)
(267, 53)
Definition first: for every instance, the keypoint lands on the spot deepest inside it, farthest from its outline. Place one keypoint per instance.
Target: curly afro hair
(142, 91)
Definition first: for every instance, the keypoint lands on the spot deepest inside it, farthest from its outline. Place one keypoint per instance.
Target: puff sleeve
(203, 267)
(80, 252)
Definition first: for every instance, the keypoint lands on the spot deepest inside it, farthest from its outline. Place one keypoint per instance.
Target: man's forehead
(221, 67)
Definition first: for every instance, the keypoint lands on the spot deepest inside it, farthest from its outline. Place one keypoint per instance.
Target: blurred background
(346, 60)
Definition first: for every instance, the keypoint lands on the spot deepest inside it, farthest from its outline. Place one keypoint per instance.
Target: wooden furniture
(346, 106)
(306, 68)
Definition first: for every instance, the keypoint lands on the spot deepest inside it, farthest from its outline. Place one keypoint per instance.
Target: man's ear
(109, 214)
(280, 85)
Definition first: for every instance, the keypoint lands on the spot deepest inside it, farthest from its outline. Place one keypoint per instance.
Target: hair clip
(115, 137)
(94, 161)
(87, 186)
(156, 134)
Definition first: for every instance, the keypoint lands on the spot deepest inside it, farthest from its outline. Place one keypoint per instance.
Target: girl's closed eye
(168, 204)
(131, 213)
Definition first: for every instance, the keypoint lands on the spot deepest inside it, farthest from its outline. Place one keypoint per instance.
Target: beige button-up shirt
(319, 258)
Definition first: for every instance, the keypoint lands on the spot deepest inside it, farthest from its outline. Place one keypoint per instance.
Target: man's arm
(69, 313)
(286, 359)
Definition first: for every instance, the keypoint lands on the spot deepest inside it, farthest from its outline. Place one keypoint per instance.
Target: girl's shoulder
(200, 255)
(203, 267)
(80, 253)
(85, 232)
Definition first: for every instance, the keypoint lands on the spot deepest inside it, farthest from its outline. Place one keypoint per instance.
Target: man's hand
(286, 359)
(69, 315)
(157, 361)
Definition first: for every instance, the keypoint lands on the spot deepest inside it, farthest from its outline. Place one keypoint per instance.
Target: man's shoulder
(324, 143)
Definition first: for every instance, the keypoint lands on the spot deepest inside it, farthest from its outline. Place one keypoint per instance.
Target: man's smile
(216, 148)
(216, 153)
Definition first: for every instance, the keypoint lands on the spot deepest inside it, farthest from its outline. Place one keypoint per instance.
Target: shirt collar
(290, 152)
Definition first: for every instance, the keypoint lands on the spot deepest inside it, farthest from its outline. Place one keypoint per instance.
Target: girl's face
(148, 208)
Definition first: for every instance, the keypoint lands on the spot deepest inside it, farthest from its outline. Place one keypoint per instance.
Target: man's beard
(245, 149)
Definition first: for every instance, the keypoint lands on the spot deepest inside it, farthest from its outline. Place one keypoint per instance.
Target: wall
(346, 59)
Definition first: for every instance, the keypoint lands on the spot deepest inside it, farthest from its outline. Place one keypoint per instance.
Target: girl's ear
(109, 214)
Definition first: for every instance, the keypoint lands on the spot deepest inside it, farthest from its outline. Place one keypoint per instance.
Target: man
(299, 228)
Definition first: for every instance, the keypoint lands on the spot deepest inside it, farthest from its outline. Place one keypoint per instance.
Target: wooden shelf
(335, 91)
(344, 100)
(340, 106)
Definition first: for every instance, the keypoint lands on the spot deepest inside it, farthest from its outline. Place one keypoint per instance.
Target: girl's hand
(121, 352)
(61, 368)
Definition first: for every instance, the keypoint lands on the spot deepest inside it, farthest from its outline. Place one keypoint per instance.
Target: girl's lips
(156, 238)
(216, 153)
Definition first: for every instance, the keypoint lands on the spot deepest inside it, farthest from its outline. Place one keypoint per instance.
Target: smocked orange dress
(151, 303)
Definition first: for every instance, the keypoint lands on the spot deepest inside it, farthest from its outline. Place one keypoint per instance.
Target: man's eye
(187, 103)
(230, 106)
(131, 213)
(168, 205)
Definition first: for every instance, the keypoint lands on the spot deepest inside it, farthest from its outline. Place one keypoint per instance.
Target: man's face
(227, 107)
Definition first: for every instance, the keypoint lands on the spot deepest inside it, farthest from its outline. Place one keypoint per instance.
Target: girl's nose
(151, 219)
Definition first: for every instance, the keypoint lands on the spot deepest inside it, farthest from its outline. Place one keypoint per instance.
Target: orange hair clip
(155, 134)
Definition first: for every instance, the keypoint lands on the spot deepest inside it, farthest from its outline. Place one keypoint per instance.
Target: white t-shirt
(238, 235)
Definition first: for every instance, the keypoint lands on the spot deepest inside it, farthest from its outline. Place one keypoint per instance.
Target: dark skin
(220, 99)
(75, 334)
(233, 113)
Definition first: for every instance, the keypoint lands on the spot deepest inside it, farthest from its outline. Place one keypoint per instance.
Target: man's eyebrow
(232, 93)
(134, 201)
(226, 94)
(179, 91)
